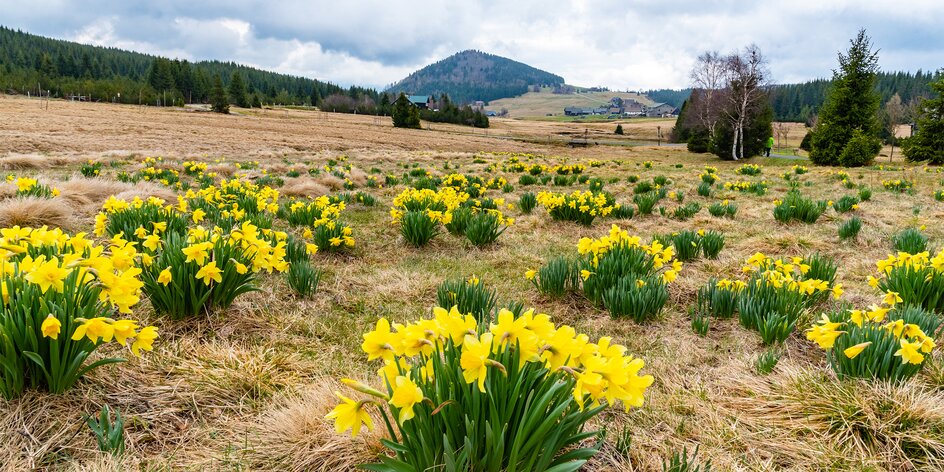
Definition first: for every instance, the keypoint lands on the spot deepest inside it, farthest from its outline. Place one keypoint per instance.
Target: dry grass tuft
(303, 187)
(36, 212)
(295, 436)
(30, 161)
(148, 189)
(856, 424)
(358, 176)
(332, 182)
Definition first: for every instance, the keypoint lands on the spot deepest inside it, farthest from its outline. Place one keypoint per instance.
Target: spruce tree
(404, 114)
(218, 99)
(928, 142)
(619, 129)
(237, 91)
(849, 115)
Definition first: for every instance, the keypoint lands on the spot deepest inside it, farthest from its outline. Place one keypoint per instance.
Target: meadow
(246, 383)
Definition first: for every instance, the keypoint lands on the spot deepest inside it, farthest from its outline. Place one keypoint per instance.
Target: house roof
(418, 98)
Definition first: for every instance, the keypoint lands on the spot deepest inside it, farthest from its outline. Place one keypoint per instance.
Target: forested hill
(29, 62)
(470, 75)
(797, 102)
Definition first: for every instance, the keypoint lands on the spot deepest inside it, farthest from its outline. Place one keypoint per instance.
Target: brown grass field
(540, 104)
(248, 388)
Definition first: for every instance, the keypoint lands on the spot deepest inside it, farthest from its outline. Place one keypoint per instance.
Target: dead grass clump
(331, 181)
(30, 161)
(295, 436)
(88, 195)
(358, 176)
(223, 170)
(855, 423)
(35, 212)
(303, 187)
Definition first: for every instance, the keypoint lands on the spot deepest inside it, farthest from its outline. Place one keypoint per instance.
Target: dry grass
(247, 389)
(36, 212)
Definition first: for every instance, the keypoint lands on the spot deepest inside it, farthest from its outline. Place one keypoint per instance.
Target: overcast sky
(628, 44)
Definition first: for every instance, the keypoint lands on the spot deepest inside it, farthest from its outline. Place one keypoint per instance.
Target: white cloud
(615, 43)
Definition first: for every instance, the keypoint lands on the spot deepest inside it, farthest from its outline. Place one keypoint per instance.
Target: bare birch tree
(747, 77)
(709, 79)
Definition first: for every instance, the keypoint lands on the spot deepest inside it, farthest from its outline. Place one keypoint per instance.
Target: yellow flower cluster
(602, 370)
(918, 261)
(438, 204)
(900, 185)
(265, 255)
(231, 197)
(594, 204)
(569, 169)
(777, 273)
(662, 256)
(913, 342)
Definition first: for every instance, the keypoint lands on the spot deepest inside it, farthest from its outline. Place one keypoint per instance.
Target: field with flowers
(420, 300)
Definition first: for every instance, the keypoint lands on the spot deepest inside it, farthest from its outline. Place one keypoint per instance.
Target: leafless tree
(747, 77)
(895, 115)
(783, 131)
(709, 79)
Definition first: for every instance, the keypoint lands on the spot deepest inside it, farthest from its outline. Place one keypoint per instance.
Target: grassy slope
(539, 104)
(247, 389)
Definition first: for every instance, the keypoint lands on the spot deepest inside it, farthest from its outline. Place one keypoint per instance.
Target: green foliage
(722, 209)
(682, 462)
(91, 169)
(928, 142)
(845, 204)
(684, 212)
(619, 130)
(527, 179)
(638, 298)
(772, 311)
(622, 212)
(717, 298)
(109, 433)
(643, 186)
(557, 277)
(767, 361)
(687, 244)
(712, 242)
(645, 202)
(471, 297)
(847, 127)
(701, 323)
(304, 278)
(850, 228)
(527, 202)
(418, 228)
(219, 102)
(910, 240)
(795, 207)
(461, 217)
(704, 189)
(484, 228)
(865, 194)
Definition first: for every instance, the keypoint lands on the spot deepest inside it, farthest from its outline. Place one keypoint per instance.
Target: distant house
(423, 102)
(660, 110)
(633, 108)
(478, 105)
(575, 111)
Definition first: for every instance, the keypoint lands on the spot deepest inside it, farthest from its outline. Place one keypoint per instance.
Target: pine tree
(404, 114)
(237, 91)
(619, 129)
(849, 115)
(218, 99)
(928, 142)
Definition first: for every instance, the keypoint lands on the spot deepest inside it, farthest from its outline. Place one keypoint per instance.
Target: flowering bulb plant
(62, 298)
(917, 278)
(582, 207)
(512, 395)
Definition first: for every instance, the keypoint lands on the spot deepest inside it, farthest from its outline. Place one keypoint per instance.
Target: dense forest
(30, 63)
(468, 76)
(798, 102)
(672, 97)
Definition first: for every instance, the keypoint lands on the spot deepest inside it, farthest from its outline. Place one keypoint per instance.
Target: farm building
(422, 101)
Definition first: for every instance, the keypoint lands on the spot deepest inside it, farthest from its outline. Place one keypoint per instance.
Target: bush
(59, 307)
(910, 240)
(470, 297)
(304, 278)
(486, 389)
(850, 228)
(860, 150)
(805, 143)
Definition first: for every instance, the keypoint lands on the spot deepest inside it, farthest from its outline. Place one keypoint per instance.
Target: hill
(471, 75)
(28, 62)
(545, 102)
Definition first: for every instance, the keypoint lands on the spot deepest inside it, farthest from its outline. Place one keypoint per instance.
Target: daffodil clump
(917, 278)
(91, 169)
(185, 275)
(888, 342)
(30, 187)
(581, 207)
(749, 169)
(322, 217)
(569, 169)
(420, 213)
(232, 203)
(777, 293)
(757, 188)
(154, 171)
(63, 297)
(514, 394)
(898, 185)
(140, 221)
